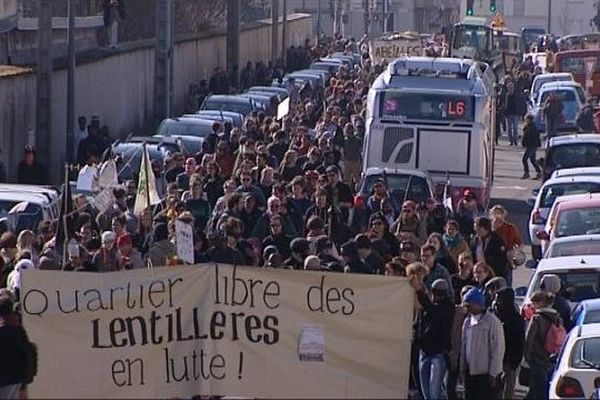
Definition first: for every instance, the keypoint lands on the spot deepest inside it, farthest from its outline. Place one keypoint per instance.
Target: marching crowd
(280, 194)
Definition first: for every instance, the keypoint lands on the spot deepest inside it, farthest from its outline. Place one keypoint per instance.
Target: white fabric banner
(220, 330)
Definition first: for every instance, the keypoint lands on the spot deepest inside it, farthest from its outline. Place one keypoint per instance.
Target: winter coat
(159, 252)
(535, 338)
(432, 335)
(487, 346)
(531, 136)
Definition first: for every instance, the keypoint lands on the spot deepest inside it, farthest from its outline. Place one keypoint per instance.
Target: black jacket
(13, 342)
(494, 253)
(34, 174)
(514, 328)
(531, 137)
(432, 328)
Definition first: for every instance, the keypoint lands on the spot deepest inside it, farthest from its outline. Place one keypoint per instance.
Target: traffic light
(493, 6)
(470, 7)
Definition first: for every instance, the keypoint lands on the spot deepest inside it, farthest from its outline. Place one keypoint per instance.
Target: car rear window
(586, 349)
(592, 317)
(576, 285)
(563, 95)
(551, 192)
(584, 221)
(173, 128)
(397, 184)
(574, 155)
(575, 248)
(240, 108)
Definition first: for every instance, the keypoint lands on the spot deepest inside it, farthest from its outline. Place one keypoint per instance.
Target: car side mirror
(520, 291)
(542, 235)
(531, 264)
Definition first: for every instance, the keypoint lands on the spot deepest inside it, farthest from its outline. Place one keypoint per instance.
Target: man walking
(482, 348)
(531, 142)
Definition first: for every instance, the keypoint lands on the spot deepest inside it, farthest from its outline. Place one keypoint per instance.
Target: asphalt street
(512, 192)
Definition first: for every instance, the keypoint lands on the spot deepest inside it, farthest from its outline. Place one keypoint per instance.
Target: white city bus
(436, 115)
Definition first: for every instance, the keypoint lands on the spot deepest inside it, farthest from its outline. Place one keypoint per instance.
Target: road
(512, 192)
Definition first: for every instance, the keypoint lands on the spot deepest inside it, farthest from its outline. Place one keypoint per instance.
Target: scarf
(451, 241)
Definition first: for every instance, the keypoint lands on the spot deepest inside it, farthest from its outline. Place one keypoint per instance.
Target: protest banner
(218, 330)
(388, 50)
(184, 234)
(104, 199)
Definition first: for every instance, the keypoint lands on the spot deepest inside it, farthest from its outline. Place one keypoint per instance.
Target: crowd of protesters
(280, 194)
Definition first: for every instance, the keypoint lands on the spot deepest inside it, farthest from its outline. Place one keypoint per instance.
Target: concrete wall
(120, 89)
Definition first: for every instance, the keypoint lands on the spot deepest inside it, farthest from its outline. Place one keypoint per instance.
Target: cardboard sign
(283, 109)
(176, 332)
(185, 241)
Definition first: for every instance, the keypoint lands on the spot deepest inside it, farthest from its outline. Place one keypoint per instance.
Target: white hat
(312, 263)
(108, 236)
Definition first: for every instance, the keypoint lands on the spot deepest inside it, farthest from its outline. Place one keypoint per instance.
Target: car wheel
(536, 252)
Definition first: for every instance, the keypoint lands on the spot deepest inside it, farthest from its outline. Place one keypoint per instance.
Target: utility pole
(284, 34)
(367, 17)
(163, 55)
(233, 37)
(318, 21)
(549, 16)
(70, 154)
(274, 30)
(43, 132)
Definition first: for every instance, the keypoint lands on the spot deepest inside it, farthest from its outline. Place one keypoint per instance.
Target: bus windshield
(477, 37)
(397, 104)
(575, 64)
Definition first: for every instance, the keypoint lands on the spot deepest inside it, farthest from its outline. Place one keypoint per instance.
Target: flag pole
(146, 176)
(64, 221)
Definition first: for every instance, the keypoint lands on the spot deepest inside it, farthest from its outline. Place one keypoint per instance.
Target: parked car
(25, 206)
(590, 171)
(577, 245)
(571, 151)
(545, 197)
(236, 118)
(281, 93)
(234, 103)
(570, 218)
(580, 277)
(586, 312)
(541, 79)
(572, 96)
(269, 101)
(130, 151)
(578, 365)
(402, 184)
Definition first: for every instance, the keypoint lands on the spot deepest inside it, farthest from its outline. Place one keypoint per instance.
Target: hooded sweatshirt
(535, 338)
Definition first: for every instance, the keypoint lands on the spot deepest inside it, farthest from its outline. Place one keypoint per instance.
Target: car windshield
(586, 351)
(179, 128)
(551, 192)
(574, 155)
(477, 37)
(397, 184)
(578, 285)
(572, 248)
(584, 221)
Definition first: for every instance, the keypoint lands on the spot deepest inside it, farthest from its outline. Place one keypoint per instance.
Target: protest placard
(283, 109)
(219, 330)
(184, 235)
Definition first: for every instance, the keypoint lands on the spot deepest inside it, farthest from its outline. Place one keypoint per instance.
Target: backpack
(555, 336)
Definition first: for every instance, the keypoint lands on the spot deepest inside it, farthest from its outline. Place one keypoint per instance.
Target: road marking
(511, 187)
